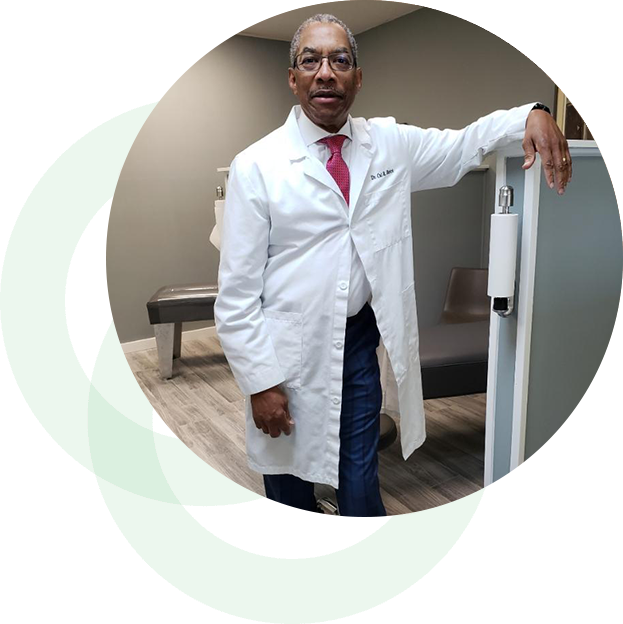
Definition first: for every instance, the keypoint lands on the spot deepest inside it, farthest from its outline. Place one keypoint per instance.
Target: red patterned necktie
(336, 165)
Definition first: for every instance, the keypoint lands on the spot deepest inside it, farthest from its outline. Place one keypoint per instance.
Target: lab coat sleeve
(440, 158)
(238, 314)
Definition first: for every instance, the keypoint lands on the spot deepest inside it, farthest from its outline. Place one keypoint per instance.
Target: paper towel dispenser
(503, 254)
(219, 206)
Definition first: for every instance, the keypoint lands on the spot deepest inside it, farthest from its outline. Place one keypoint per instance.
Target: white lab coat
(285, 267)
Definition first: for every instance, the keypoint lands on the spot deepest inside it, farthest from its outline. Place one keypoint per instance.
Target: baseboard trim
(150, 343)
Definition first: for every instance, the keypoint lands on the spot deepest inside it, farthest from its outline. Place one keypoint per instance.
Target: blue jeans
(358, 493)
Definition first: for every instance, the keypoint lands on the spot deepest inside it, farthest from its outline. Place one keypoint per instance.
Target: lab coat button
(336, 400)
(343, 285)
(338, 344)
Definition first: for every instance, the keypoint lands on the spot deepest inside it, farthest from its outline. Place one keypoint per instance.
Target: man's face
(325, 95)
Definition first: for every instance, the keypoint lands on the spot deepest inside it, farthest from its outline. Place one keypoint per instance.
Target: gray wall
(448, 232)
(163, 209)
(432, 69)
(576, 294)
(426, 68)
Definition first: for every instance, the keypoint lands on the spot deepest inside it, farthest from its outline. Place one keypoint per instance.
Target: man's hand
(544, 136)
(270, 412)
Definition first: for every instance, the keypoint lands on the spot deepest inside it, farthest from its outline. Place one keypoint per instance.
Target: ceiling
(358, 15)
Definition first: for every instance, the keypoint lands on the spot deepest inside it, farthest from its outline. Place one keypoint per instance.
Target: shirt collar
(312, 133)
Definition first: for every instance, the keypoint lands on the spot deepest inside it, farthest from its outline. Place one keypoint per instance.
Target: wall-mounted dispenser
(219, 206)
(503, 255)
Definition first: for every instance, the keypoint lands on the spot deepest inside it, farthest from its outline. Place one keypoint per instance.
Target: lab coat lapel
(300, 156)
(314, 169)
(361, 157)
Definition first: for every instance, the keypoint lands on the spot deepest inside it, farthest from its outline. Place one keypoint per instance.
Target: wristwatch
(542, 107)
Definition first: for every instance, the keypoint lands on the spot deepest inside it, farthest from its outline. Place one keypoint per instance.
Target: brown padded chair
(466, 297)
(454, 353)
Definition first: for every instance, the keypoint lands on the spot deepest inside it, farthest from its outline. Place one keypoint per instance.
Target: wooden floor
(203, 406)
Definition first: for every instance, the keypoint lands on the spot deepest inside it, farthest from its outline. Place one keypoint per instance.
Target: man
(316, 265)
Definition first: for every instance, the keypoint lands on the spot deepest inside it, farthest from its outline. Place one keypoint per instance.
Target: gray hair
(322, 18)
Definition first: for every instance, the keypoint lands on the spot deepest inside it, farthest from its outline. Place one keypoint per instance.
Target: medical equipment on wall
(503, 255)
(219, 206)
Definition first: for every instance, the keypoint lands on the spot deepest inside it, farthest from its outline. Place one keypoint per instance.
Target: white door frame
(525, 300)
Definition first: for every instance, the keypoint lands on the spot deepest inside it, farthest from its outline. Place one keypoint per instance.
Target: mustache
(326, 92)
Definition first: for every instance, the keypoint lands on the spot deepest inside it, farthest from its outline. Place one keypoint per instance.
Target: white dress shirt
(359, 290)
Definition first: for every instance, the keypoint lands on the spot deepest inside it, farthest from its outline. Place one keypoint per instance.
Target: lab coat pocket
(387, 215)
(286, 333)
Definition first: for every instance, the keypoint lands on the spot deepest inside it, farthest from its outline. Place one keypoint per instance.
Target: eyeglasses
(310, 61)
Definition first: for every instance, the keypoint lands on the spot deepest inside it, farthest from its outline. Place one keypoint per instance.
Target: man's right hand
(270, 412)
